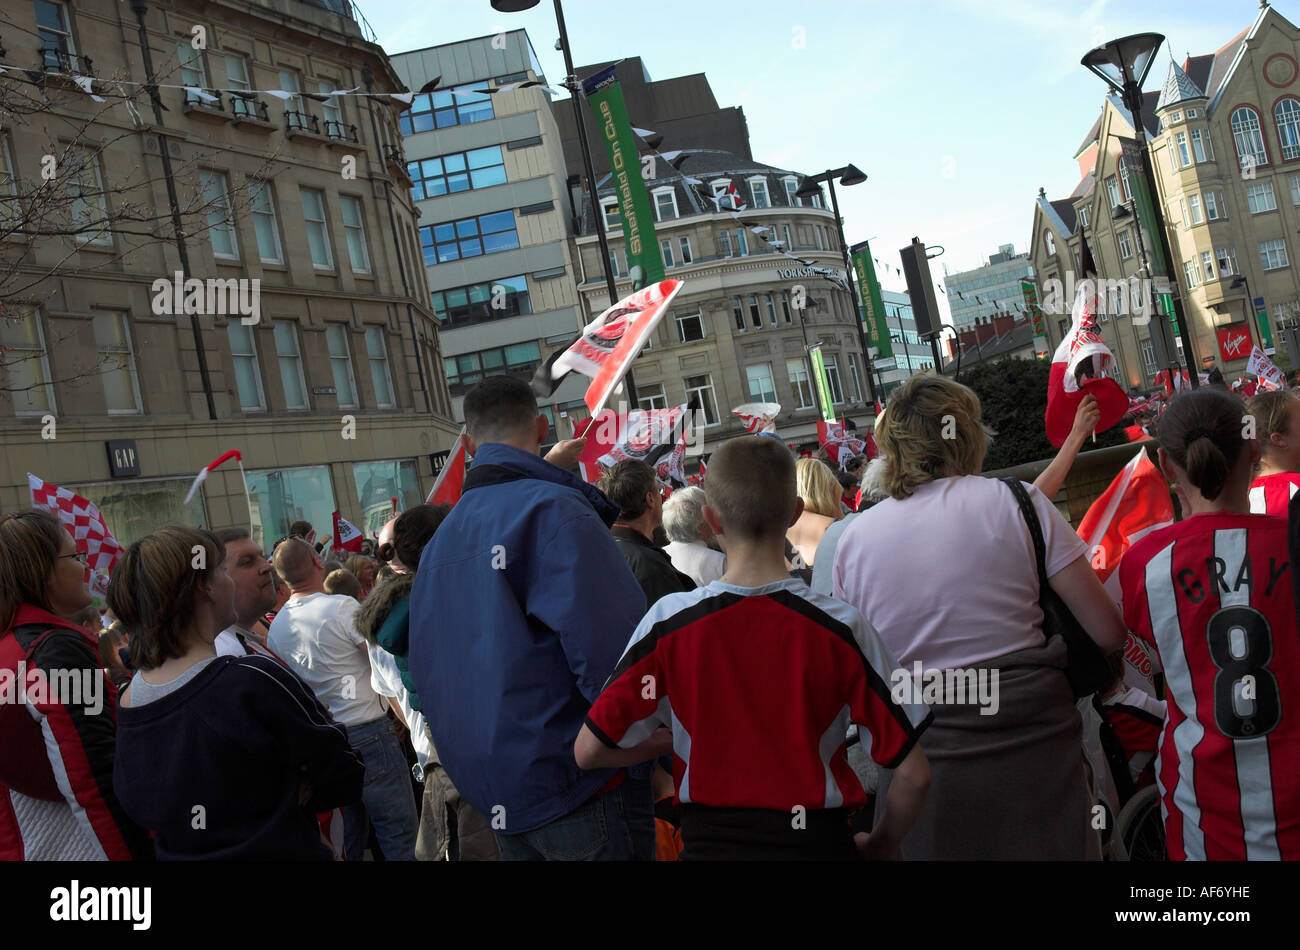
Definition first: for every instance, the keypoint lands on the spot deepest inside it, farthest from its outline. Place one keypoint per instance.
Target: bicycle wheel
(1140, 829)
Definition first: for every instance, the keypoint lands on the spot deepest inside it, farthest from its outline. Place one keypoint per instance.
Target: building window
(1192, 113)
(265, 226)
(857, 380)
(331, 109)
(221, 223)
(291, 83)
(55, 35)
(1202, 147)
(1050, 242)
(1149, 357)
(771, 309)
(1294, 182)
(1112, 190)
(785, 235)
(742, 245)
(345, 384)
(479, 303)
(1207, 265)
(722, 194)
(702, 386)
(1260, 197)
(738, 312)
(117, 363)
(380, 482)
(377, 354)
(469, 237)
(1227, 258)
(833, 378)
(354, 231)
(459, 105)
(1083, 217)
(192, 72)
(666, 251)
(761, 387)
(755, 317)
(459, 171)
(243, 353)
(758, 188)
(685, 245)
(613, 262)
(797, 370)
(1125, 246)
(652, 397)
(613, 219)
(466, 370)
(1287, 115)
(313, 212)
(1184, 153)
(25, 362)
(1272, 254)
(1247, 137)
(665, 204)
(284, 495)
(89, 204)
(791, 185)
(785, 307)
(10, 210)
(1194, 206)
(1213, 211)
(1126, 190)
(690, 327)
(724, 242)
(237, 81)
(290, 359)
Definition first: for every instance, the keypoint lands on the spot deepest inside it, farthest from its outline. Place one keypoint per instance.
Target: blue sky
(957, 110)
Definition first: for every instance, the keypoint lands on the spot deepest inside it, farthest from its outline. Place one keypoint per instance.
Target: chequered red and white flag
(83, 521)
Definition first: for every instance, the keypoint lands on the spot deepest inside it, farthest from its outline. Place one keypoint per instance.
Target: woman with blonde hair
(820, 491)
(945, 570)
(364, 569)
(1277, 427)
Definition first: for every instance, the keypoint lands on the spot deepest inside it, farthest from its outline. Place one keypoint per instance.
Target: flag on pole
(839, 445)
(451, 480)
(346, 535)
(1079, 368)
(1176, 383)
(758, 416)
(1136, 503)
(207, 469)
(645, 434)
(1270, 377)
(82, 519)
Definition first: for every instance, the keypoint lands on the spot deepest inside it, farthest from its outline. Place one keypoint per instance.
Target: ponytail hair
(1202, 432)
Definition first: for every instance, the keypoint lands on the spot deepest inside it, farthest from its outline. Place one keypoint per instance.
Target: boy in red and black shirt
(751, 683)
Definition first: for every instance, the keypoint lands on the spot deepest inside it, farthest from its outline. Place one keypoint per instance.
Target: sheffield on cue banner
(822, 383)
(644, 264)
(872, 303)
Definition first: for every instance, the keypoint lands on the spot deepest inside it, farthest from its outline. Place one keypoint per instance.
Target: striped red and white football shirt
(1213, 594)
(1270, 494)
(759, 685)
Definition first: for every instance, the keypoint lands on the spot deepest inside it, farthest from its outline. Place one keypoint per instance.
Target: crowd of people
(555, 670)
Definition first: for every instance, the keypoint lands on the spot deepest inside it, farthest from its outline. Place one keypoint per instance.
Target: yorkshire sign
(794, 273)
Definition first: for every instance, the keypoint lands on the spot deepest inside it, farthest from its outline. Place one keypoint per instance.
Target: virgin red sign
(1234, 341)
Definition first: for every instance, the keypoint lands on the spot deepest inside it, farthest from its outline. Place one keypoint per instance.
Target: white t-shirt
(227, 644)
(699, 562)
(317, 636)
(386, 679)
(947, 576)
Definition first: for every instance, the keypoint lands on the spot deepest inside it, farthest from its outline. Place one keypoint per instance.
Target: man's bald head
(296, 562)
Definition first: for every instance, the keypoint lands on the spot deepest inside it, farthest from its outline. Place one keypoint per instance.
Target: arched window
(1287, 115)
(1050, 242)
(1246, 134)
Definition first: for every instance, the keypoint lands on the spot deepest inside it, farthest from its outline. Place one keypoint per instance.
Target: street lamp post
(848, 175)
(1240, 281)
(1123, 64)
(574, 86)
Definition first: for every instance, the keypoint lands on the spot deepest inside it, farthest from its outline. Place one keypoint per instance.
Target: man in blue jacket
(521, 608)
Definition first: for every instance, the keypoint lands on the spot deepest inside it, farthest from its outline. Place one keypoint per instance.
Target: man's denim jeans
(386, 797)
(616, 826)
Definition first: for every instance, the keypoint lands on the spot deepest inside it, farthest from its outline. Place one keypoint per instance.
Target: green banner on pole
(1265, 332)
(1030, 293)
(1135, 182)
(822, 382)
(644, 263)
(873, 305)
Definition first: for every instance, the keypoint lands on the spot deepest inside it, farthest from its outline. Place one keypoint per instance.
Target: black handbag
(1088, 670)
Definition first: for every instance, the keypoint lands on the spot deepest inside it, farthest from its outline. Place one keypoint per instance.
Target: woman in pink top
(944, 569)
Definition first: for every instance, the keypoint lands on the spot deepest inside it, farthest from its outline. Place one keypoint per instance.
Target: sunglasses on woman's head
(79, 555)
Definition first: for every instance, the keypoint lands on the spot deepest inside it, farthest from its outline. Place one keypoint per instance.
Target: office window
(685, 245)
(724, 243)
(377, 354)
(354, 231)
(265, 226)
(1213, 206)
(55, 35)
(1184, 153)
(1194, 206)
(833, 378)
(89, 204)
(1260, 197)
(797, 370)
(857, 379)
(459, 105)
(785, 307)
(690, 327)
(666, 251)
(1207, 265)
(282, 496)
(243, 354)
(313, 212)
(1287, 115)
(1248, 139)
(290, 360)
(291, 83)
(785, 236)
(613, 262)
(459, 171)
(702, 386)
(345, 384)
(1149, 357)
(191, 63)
(1294, 182)
(330, 109)
(1112, 190)
(220, 218)
(754, 316)
(761, 387)
(25, 364)
(1272, 254)
(758, 188)
(1227, 258)
(612, 217)
(742, 244)
(469, 237)
(1125, 246)
(738, 312)
(1202, 147)
(116, 363)
(466, 370)
(652, 397)
(665, 204)
(237, 80)
(791, 185)
(479, 303)
(771, 309)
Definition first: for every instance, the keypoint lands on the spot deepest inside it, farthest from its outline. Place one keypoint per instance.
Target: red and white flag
(758, 416)
(1136, 503)
(347, 536)
(731, 199)
(451, 480)
(646, 434)
(83, 521)
(207, 469)
(1079, 369)
(839, 445)
(1174, 384)
(1270, 377)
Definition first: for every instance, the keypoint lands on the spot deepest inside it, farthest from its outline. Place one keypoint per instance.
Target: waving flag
(207, 469)
(83, 521)
(645, 434)
(758, 416)
(1270, 377)
(1178, 382)
(839, 445)
(346, 535)
(1136, 503)
(451, 480)
(1079, 368)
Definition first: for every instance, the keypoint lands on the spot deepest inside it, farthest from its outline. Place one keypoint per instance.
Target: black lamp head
(1121, 211)
(853, 175)
(1128, 58)
(513, 6)
(808, 189)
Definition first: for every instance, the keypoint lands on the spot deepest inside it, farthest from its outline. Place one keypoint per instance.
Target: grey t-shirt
(142, 692)
(824, 557)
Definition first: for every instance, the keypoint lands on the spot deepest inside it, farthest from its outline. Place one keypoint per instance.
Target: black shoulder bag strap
(1035, 532)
